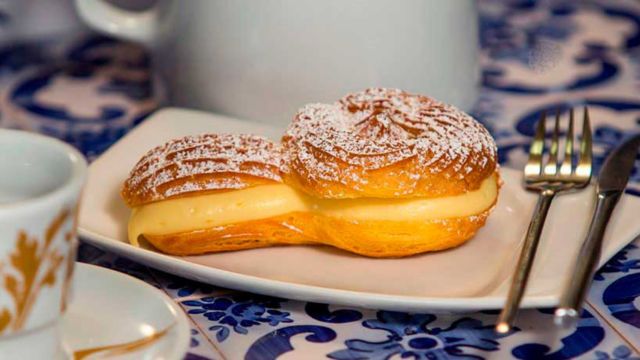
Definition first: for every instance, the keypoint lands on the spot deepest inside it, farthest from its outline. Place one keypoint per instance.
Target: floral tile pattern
(86, 90)
(319, 330)
(237, 313)
(536, 56)
(616, 290)
(200, 347)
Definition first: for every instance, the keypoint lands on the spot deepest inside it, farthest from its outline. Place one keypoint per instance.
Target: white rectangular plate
(471, 277)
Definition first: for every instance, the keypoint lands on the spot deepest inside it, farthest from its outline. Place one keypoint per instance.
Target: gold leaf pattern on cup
(34, 264)
(69, 238)
(5, 319)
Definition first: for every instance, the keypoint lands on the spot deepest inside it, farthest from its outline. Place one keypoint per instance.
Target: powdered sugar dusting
(204, 162)
(377, 128)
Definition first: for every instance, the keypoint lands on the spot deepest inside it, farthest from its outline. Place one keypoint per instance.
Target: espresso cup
(40, 183)
(263, 60)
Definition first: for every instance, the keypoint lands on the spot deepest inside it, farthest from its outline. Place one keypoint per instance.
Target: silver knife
(612, 181)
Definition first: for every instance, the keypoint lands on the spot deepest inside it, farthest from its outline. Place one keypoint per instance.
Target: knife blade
(615, 172)
(613, 178)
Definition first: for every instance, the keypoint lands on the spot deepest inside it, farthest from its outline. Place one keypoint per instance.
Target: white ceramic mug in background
(40, 183)
(262, 60)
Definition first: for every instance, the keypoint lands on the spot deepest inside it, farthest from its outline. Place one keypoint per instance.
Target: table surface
(535, 56)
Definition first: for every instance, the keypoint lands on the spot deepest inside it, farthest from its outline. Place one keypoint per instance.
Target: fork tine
(552, 165)
(534, 164)
(567, 162)
(584, 164)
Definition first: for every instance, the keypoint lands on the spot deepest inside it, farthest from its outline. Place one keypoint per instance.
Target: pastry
(399, 173)
(211, 193)
(381, 173)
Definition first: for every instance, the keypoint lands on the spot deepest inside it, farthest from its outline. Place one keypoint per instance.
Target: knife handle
(568, 311)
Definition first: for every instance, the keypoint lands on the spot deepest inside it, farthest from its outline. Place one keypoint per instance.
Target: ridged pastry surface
(387, 143)
(203, 163)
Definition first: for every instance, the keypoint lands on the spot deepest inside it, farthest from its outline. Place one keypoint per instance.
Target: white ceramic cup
(40, 183)
(262, 60)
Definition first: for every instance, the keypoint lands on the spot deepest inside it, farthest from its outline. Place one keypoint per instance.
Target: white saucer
(134, 319)
(471, 277)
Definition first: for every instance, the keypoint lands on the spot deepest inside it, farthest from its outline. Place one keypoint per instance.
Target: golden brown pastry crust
(196, 165)
(289, 229)
(379, 143)
(382, 239)
(387, 143)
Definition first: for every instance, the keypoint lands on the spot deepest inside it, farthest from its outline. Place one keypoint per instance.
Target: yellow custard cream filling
(260, 202)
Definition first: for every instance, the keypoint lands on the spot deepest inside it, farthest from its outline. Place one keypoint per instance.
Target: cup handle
(136, 26)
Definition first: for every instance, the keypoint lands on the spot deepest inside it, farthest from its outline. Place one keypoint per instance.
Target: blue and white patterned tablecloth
(536, 56)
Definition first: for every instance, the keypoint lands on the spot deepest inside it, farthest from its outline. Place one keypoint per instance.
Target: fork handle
(568, 310)
(525, 262)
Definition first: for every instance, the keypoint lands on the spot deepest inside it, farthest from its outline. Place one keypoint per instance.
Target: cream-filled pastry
(380, 173)
(266, 201)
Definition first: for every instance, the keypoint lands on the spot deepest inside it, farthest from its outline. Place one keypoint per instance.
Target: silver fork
(548, 180)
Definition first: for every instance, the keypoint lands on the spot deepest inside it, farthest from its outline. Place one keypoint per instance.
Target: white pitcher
(263, 59)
